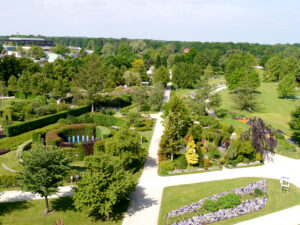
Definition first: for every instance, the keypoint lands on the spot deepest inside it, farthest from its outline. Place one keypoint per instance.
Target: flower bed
(249, 205)
(246, 207)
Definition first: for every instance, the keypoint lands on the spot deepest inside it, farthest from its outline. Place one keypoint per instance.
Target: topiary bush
(229, 200)
(210, 205)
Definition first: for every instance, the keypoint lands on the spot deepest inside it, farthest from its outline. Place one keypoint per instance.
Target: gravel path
(5, 167)
(16, 196)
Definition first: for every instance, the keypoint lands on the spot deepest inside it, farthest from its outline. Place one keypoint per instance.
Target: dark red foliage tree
(261, 135)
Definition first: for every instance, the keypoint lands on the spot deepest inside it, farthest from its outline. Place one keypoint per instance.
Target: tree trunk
(93, 107)
(172, 156)
(47, 205)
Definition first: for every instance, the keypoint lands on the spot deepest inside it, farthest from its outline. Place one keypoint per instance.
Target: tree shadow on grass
(67, 204)
(8, 207)
(63, 204)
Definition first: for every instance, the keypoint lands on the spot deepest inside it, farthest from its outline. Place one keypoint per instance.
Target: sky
(255, 21)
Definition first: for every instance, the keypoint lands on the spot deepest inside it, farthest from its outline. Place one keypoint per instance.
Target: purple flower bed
(248, 206)
(262, 184)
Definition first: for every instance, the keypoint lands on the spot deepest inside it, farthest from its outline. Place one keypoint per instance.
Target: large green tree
(161, 75)
(287, 86)
(89, 82)
(103, 186)
(36, 52)
(127, 145)
(43, 170)
(156, 96)
(273, 68)
(295, 124)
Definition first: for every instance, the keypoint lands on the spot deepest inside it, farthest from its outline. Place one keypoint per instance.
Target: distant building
(187, 50)
(53, 56)
(28, 41)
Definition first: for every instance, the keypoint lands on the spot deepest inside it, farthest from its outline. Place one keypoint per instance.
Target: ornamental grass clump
(210, 205)
(229, 201)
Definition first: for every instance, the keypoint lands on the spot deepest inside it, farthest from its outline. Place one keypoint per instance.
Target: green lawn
(11, 161)
(178, 196)
(32, 212)
(275, 111)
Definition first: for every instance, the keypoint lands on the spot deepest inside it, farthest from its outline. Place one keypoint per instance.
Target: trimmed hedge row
(74, 154)
(26, 126)
(106, 120)
(54, 137)
(8, 181)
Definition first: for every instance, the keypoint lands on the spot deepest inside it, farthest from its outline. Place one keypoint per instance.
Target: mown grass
(178, 196)
(32, 212)
(274, 111)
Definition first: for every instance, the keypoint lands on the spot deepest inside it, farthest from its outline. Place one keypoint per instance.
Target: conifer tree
(191, 155)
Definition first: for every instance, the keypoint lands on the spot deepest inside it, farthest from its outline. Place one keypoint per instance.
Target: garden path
(16, 196)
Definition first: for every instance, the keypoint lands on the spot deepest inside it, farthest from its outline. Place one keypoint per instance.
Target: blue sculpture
(87, 138)
(82, 138)
(92, 138)
(73, 139)
(78, 139)
(69, 139)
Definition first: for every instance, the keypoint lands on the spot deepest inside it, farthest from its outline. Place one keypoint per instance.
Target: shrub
(229, 200)
(213, 151)
(74, 154)
(147, 125)
(8, 181)
(246, 160)
(209, 121)
(26, 126)
(132, 116)
(258, 192)
(165, 167)
(210, 205)
(124, 111)
(221, 113)
(180, 162)
(203, 150)
(114, 101)
(207, 163)
(258, 157)
(99, 147)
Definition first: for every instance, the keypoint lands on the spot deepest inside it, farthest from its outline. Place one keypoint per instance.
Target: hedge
(26, 126)
(105, 120)
(74, 154)
(54, 137)
(114, 101)
(8, 181)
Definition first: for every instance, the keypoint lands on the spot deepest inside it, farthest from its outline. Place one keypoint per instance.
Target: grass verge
(178, 196)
